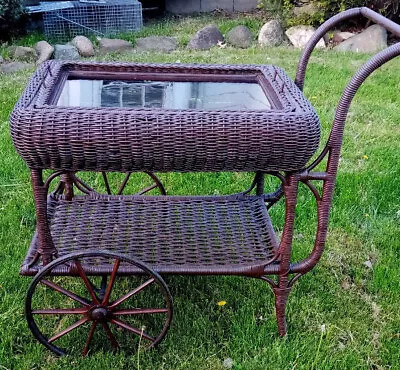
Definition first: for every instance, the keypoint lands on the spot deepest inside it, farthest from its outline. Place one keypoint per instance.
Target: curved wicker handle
(333, 147)
(332, 22)
(336, 136)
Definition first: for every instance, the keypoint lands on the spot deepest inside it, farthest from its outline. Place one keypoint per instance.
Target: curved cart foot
(90, 300)
(281, 296)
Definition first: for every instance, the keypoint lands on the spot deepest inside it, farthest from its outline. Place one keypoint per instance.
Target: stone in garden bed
(83, 45)
(306, 10)
(13, 67)
(206, 38)
(23, 53)
(239, 36)
(66, 52)
(373, 39)
(114, 46)
(271, 34)
(157, 43)
(44, 51)
(341, 36)
(300, 35)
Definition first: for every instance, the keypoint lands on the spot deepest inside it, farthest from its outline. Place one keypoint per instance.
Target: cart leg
(281, 296)
(46, 247)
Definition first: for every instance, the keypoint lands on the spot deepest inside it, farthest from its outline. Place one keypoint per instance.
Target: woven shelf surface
(205, 235)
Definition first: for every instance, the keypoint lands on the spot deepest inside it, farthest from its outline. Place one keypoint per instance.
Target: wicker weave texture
(123, 139)
(192, 234)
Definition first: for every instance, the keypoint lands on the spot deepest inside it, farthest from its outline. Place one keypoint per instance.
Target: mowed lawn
(343, 315)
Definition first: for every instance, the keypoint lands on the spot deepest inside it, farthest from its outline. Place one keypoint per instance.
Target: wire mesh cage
(102, 18)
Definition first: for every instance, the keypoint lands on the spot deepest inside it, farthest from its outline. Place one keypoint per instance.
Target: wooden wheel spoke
(146, 190)
(157, 182)
(96, 300)
(88, 284)
(110, 335)
(106, 183)
(140, 311)
(61, 311)
(90, 336)
(140, 333)
(124, 183)
(111, 282)
(66, 292)
(131, 293)
(69, 329)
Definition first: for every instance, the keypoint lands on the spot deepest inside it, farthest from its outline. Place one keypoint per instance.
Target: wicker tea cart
(97, 256)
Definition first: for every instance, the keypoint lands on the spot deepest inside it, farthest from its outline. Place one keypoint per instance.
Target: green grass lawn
(343, 315)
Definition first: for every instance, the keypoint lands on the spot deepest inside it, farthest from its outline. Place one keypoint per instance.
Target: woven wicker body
(112, 139)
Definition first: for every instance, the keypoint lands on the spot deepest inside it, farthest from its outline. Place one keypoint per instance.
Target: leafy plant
(324, 9)
(10, 15)
(389, 8)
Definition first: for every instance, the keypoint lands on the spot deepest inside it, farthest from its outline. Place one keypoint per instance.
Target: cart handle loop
(332, 22)
(336, 134)
(333, 147)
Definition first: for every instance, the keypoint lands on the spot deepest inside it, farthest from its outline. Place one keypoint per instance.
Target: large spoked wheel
(91, 301)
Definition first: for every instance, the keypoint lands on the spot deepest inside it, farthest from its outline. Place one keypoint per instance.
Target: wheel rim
(97, 302)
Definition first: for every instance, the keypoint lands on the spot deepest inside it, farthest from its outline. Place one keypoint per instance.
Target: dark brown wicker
(182, 235)
(113, 139)
(185, 235)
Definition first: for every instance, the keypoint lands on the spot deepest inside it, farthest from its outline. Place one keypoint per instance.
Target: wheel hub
(100, 314)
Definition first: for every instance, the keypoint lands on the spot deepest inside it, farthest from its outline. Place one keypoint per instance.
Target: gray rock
(114, 46)
(84, 46)
(157, 43)
(341, 36)
(13, 67)
(371, 40)
(206, 38)
(23, 53)
(306, 9)
(1, 59)
(300, 35)
(239, 36)
(66, 52)
(44, 51)
(271, 34)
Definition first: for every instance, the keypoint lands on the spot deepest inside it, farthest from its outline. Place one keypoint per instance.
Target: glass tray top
(238, 96)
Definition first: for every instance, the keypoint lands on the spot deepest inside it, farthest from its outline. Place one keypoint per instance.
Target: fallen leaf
(346, 284)
(228, 363)
(368, 264)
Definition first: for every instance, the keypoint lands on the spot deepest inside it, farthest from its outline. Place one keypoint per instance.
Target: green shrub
(10, 15)
(325, 9)
(389, 8)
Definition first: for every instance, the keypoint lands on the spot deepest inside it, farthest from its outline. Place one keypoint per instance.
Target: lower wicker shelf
(173, 235)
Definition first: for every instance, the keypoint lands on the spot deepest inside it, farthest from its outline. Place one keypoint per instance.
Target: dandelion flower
(365, 156)
(221, 303)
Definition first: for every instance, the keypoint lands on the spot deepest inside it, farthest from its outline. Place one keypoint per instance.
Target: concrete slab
(244, 5)
(182, 6)
(195, 6)
(211, 5)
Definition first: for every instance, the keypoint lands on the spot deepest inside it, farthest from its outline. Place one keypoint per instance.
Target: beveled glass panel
(239, 96)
